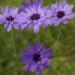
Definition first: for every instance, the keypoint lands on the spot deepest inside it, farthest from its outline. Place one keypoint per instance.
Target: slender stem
(59, 33)
(13, 42)
(36, 37)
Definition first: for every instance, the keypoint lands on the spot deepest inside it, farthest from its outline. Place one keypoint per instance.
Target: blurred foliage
(61, 39)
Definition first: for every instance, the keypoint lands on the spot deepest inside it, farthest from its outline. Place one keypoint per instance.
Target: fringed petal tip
(24, 4)
(40, 2)
(31, 2)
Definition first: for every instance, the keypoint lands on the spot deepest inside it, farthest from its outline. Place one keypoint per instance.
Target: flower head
(33, 16)
(8, 17)
(62, 12)
(36, 58)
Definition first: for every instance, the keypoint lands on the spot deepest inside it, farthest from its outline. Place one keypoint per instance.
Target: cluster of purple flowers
(36, 58)
(34, 15)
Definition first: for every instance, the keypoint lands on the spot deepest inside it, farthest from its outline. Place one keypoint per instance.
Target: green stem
(59, 33)
(13, 42)
(36, 37)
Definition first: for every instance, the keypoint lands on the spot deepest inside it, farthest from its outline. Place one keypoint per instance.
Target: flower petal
(36, 29)
(6, 12)
(39, 3)
(70, 16)
(30, 67)
(24, 4)
(8, 26)
(14, 11)
(65, 21)
(2, 19)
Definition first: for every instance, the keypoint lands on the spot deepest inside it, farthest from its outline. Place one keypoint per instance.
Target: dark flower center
(60, 14)
(36, 57)
(10, 18)
(35, 16)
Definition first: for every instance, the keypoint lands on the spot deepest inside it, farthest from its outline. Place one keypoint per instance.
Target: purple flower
(8, 18)
(62, 12)
(36, 58)
(33, 16)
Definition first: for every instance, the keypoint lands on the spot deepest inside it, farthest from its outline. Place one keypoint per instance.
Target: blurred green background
(61, 39)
